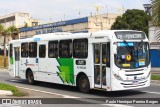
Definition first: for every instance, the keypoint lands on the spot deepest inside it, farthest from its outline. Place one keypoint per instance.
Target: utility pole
(147, 8)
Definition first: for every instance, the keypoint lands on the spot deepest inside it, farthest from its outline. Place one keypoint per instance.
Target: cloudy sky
(57, 10)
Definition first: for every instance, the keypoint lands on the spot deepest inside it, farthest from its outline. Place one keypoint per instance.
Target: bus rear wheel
(30, 78)
(83, 84)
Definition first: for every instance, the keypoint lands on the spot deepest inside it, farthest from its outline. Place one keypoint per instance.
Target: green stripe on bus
(66, 70)
(11, 60)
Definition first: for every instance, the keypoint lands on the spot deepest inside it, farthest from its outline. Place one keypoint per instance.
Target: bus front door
(101, 57)
(17, 61)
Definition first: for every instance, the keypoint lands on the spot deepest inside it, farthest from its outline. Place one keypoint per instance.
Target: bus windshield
(131, 55)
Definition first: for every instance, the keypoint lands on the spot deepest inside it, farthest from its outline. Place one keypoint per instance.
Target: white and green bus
(109, 60)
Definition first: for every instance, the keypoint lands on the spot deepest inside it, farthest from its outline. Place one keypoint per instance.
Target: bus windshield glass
(131, 55)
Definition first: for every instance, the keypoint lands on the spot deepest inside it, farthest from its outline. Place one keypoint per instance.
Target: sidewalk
(155, 70)
(5, 93)
(3, 69)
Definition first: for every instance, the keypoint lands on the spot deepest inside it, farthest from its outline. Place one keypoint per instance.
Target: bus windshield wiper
(140, 44)
(128, 47)
(129, 50)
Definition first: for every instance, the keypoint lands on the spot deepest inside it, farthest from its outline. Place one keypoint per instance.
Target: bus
(109, 60)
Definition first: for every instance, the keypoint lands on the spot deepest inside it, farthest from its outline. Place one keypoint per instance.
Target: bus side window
(24, 50)
(33, 49)
(42, 51)
(65, 48)
(80, 48)
(53, 49)
(108, 55)
(11, 50)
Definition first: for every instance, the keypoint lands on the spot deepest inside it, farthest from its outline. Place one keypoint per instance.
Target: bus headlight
(117, 77)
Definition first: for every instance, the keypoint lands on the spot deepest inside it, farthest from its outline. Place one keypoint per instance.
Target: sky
(58, 10)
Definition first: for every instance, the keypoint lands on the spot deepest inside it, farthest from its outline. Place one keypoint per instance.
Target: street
(72, 92)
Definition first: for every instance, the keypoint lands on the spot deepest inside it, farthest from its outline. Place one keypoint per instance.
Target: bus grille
(134, 70)
(129, 85)
(134, 74)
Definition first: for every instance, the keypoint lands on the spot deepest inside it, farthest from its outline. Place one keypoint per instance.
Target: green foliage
(132, 20)
(155, 4)
(155, 77)
(1, 28)
(11, 31)
(13, 89)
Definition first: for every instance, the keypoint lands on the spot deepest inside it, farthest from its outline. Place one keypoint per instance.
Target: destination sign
(130, 35)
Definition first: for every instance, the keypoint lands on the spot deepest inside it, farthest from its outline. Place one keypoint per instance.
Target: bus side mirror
(114, 49)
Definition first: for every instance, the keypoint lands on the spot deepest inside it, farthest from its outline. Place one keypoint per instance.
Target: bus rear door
(102, 65)
(17, 61)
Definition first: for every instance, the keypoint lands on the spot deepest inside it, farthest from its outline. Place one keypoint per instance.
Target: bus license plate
(135, 82)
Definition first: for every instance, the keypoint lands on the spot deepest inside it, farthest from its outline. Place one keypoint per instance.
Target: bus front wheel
(30, 77)
(83, 84)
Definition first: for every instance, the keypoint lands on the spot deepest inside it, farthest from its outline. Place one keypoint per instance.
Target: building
(154, 39)
(85, 24)
(154, 36)
(19, 20)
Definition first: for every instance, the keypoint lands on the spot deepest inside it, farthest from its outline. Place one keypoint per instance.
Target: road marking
(116, 105)
(151, 92)
(65, 96)
(14, 80)
(9, 105)
(155, 84)
(68, 96)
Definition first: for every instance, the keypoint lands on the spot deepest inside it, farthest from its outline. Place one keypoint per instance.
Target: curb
(4, 93)
(3, 70)
(155, 81)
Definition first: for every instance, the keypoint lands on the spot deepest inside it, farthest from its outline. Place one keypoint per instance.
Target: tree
(1, 29)
(132, 20)
(13, 32)
(155, 4)
(3, 32)
(10, 31)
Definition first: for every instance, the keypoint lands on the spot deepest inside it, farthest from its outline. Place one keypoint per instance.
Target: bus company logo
(26, 62)
(6, 101)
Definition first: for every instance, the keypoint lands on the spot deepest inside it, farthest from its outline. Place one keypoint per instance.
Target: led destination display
(130, 35)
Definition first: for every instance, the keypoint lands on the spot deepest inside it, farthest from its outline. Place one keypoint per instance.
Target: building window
(65, 49)
(34, 23)
(80, 48)
(24, 50)
(53, 49)
(42, 51)
(33, 49)
(7, 19)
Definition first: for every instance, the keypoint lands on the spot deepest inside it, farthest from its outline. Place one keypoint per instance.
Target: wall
(155, 54)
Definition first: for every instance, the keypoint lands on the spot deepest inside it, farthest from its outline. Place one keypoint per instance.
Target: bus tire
(83, 84)
(30, 77)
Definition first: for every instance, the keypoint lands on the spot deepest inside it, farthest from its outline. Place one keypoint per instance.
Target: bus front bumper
(126, 85)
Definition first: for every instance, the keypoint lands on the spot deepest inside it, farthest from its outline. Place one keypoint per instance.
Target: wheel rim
(84, 83)
(30, 77)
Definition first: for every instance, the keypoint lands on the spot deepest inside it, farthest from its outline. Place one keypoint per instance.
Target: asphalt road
(95, 96)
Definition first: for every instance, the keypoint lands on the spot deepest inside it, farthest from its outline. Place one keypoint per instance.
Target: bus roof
(65, 35)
